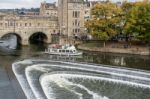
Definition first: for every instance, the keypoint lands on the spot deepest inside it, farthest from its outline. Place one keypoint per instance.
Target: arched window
(25, 24)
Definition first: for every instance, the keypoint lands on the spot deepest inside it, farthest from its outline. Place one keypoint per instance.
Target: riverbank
(115, 48)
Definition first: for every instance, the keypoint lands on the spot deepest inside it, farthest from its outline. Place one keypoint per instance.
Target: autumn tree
(126, 8)
(138, 21)
(105, 21)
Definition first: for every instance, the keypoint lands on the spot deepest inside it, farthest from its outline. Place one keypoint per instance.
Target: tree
(105, 21)
(126, 7)
(138, 21)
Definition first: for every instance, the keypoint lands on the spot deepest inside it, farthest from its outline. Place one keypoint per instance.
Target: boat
(68, 50)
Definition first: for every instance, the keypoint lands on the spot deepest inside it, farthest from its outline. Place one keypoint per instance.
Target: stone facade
(26, 26)
(48, 9)
(67, 19)
(72, 14)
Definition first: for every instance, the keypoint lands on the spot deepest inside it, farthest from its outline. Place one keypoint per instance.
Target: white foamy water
(110, 71)
(60, 80)
(10, 43)
(32, 80)
(36, 77)
(21, 78)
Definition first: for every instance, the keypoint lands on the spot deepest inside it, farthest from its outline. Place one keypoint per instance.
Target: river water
(10, 88)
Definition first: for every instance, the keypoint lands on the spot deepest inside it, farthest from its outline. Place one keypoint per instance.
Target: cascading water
(46, 79)
(9, 43)
(13, 42)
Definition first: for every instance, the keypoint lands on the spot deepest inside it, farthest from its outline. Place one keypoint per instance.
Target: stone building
(71, 16)
(28, 28)
(48, 9)
(67, 19)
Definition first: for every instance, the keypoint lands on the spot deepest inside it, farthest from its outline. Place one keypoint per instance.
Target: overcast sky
(6, 4)
(21, 3)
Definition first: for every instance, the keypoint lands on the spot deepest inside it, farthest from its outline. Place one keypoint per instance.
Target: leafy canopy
(138, 21)
(106, 19)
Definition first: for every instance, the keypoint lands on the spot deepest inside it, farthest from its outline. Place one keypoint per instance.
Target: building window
(73, 23)
(79, 23)
(30, 24)
(11, 23)
(25, 24)
(5, 24)
(38, 24)
(16, 24)
(76, 22)
(76, 14)
(1, 24)
(73, 30)
(78, 30)
(86, 12)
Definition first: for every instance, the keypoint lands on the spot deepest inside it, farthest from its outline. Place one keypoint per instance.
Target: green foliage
(105, 20)
(101, 35)
(131, 19)
(147, 37)
(138, 21)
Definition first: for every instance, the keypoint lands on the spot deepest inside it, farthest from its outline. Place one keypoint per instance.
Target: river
(10, 88)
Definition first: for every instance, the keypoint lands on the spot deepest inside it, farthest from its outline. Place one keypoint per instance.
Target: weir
(9, 42)
(46, 79)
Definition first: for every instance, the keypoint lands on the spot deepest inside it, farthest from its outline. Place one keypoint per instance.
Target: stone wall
(48, 9)
(25, 26)
(67, 19)
(133, 51)
(72, 16)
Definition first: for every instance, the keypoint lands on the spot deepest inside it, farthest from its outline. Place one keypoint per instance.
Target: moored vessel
(67, 49)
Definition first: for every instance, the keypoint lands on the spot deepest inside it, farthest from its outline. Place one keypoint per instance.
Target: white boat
(68, 50)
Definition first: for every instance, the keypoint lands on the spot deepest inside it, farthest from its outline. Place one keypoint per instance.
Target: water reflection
(123, 60)
(9, 47)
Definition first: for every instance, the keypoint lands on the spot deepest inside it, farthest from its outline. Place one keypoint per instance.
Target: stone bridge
(28, 28)
(24, 35)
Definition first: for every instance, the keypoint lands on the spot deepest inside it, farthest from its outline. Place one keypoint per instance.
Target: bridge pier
(25, 42)
(49, 39)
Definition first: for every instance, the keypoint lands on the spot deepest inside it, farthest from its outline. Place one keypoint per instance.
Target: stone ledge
(115, 50)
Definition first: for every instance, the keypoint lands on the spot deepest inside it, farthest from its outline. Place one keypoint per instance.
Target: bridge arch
(8, 35)
(38, 37)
